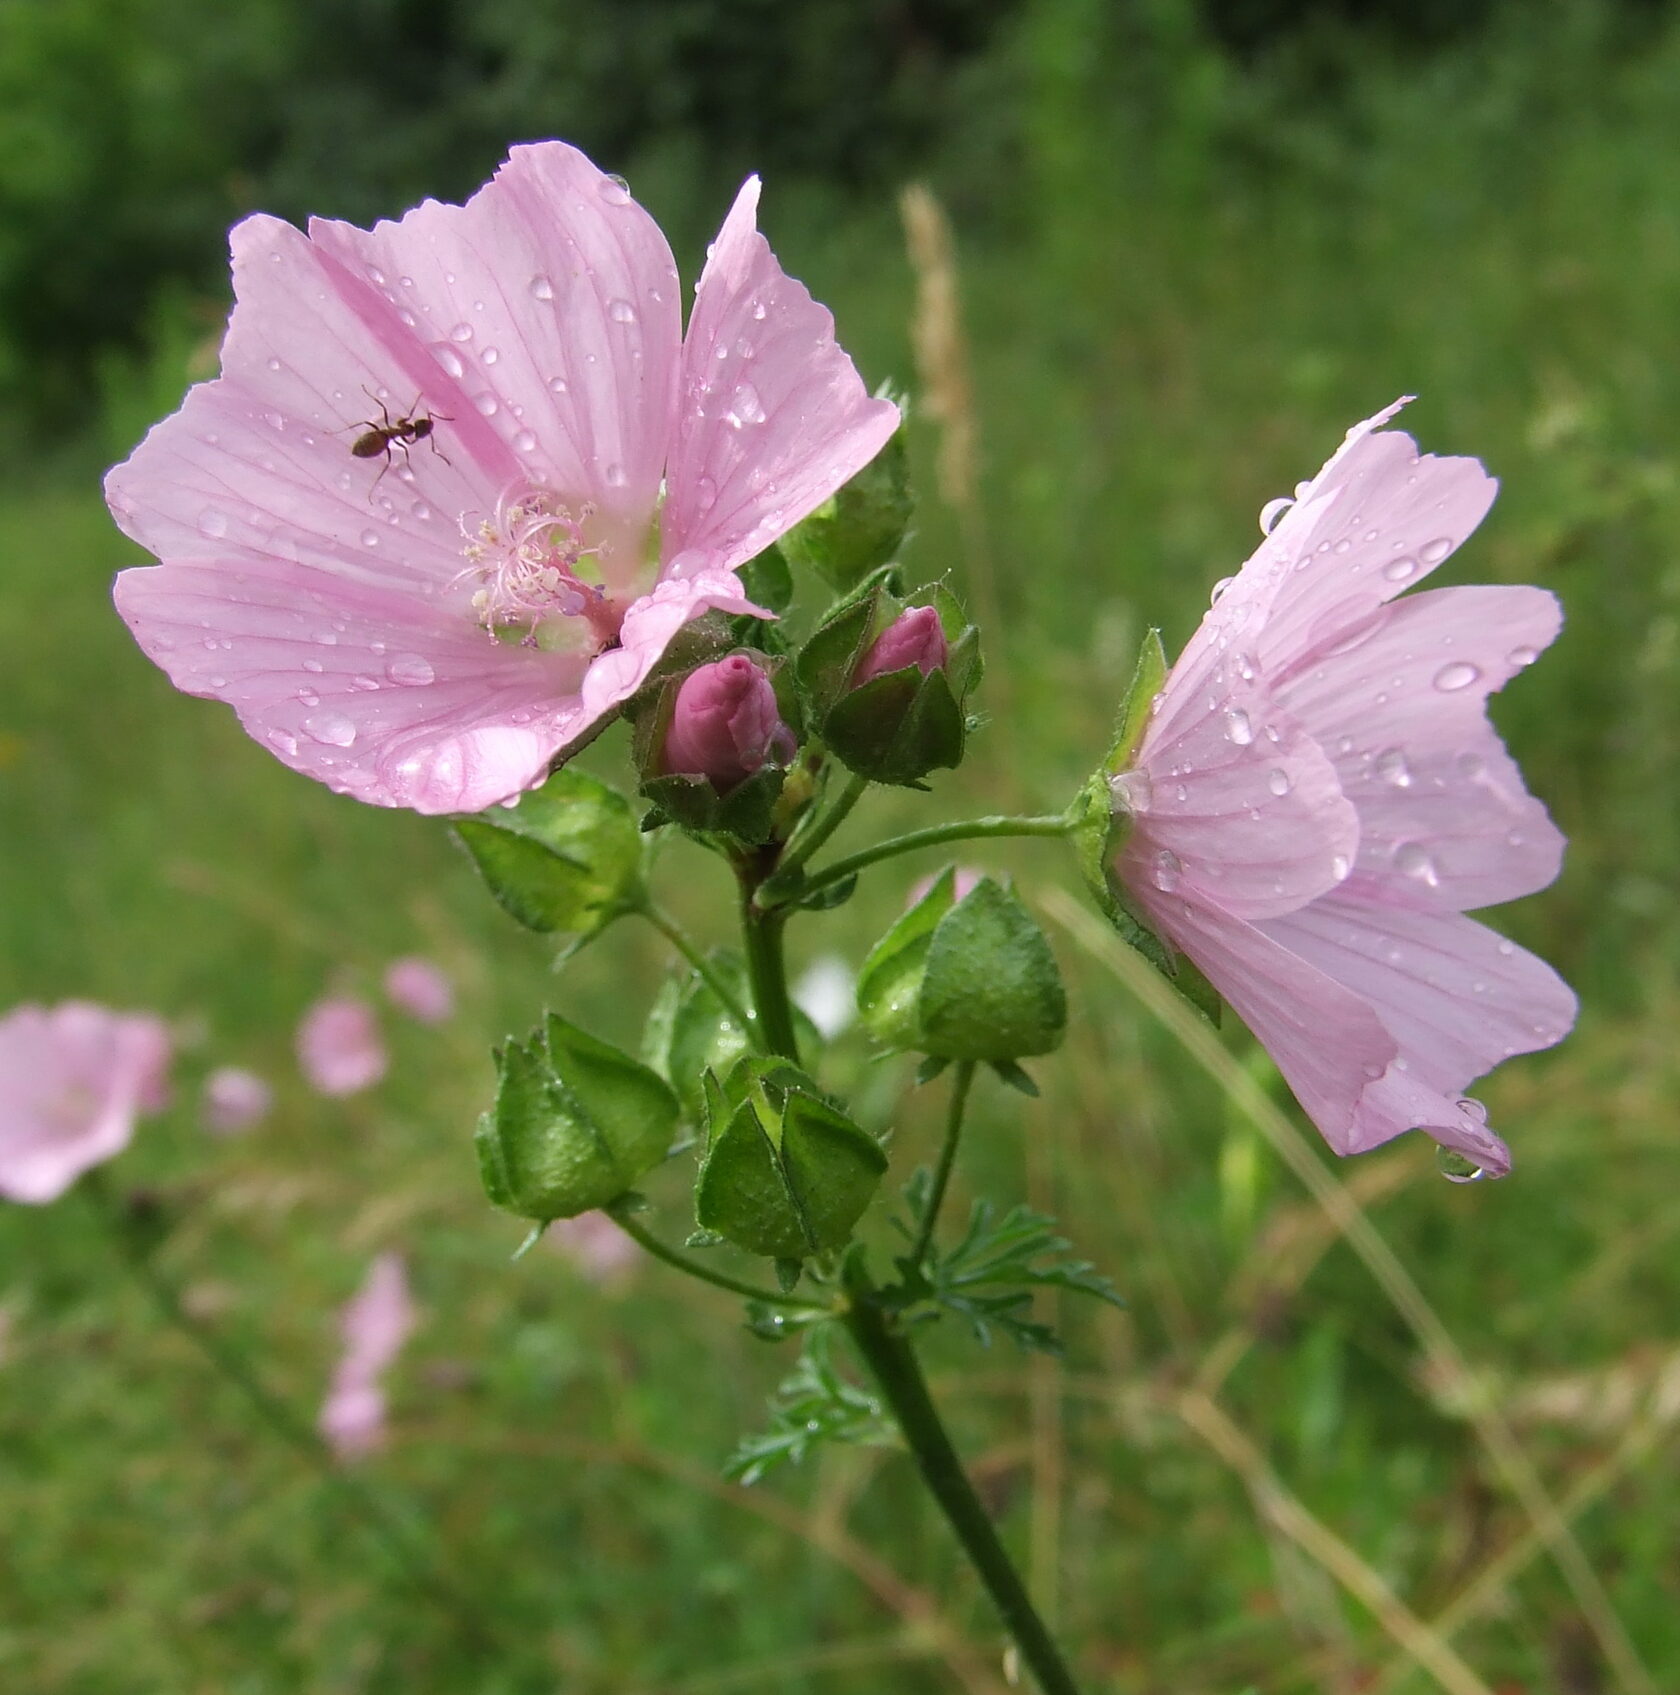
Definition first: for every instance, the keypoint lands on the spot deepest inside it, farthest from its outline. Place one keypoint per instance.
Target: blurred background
(1191, 241)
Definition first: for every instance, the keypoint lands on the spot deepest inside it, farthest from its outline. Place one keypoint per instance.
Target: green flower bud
(575, 1124)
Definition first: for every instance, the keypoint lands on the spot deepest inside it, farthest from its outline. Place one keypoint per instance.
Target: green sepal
(1099, 834)
(786, 1174)
(768, 581)
(1012, 1074)
(824, 665)
(568, 857)
(890, 979)
(747, 813)
(861, 525)
(575, 1123)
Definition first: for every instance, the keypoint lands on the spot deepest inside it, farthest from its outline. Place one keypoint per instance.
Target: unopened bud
(725, 725)
(916, 637)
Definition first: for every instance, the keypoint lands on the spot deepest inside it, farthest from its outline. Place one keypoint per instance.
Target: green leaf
(990, 989)
(768, 581)
(568, 857)
(815, 1404)
(860, 527)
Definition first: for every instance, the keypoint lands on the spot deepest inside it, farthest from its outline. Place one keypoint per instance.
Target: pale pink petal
(1233, 803)
(369, 690)
(378, 1319)
(352, 1421)
(73, 1079)
(339, 1046)
(1445, 819)
(234, 1101)
(773, 415)
(420, 988)
(1325, 1039)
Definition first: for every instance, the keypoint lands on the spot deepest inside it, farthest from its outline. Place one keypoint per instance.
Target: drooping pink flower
(375, 1324)
(725, 724)
(234, 1101)
(463, 476)
(73, 1079)
(595, 1245)
(1319, 797)
(420, 988)
(339, 1046)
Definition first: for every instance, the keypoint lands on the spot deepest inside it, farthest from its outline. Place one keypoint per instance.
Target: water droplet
(1391, 767)
(1339, 867)
(1132, 791)
(1218, 589)
(282, 742)
(1457, 1167)
(461, 332)
(558, 385)
(364, 682)
(1244, 666)
(744, 407)
(1401, 570)
(1459, 675)
(1470, 765)
(213, 522)
(758, 311)
(450, 360)
(615, 476)
(1278, 782)
(1521, 656)
(370, 538)
(1237, 727)
(308, 697)
(314, 667)
(541, 288)
(487, 404)
(421, 510)
(1271, 514)
(1412, 859)
(1433, 552)
(489, 356)
(410, 670)
(274, 365)
(331, 728)
(1166, 870)
(621, 312)
(525, 442)
(615, 191)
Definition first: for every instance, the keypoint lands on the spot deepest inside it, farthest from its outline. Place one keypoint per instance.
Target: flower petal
(1445, 820)
(367, 689)
(773, 416)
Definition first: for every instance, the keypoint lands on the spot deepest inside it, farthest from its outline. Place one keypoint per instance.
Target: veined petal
(1445, 819)
(373, 691)
(773, 416)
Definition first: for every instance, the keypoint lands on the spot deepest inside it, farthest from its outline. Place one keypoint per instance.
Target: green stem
(708, 973)
(803, 846)
(645, 1239)
(965, 830)
(960, 1085)
(895, 1367)
(378, 1517)
(767, 972)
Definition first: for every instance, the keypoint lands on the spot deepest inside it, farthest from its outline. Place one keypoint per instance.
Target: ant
(377, 439)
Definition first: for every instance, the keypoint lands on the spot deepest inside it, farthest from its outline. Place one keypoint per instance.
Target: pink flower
(375, 1324)
(595, 1245)
(420, 988)
(73, 1079)
(725, 724)
(415, 533)
(915, 637)
(234, 1101)
(339, 1046)
(1319, 797)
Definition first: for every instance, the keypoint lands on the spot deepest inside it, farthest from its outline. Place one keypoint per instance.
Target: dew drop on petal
(525, 442)
(1340, 867)
(1237, 727)
(1521, 656)
(615, 191)
(1244, 666)
(314, 667)
(364, 682)
(1218, 589)
(541, 288)
(1391, 767)
(489, 356)
(213, 522)
(487, 404)
(410, 670)
(1132, 791)
(308, 697)
(1166, 870)
(558, 385)
(1433, 552)
(615, 476)
(1277, 780)
(461, 332)
(1412, 859)
(282, 742)
(1401, 570)
(1457, 1167)
(621, 312)
(450, 360)
(370, 538)
(1271, 514)
(331, 728)
(1458, 675)
(274, 365)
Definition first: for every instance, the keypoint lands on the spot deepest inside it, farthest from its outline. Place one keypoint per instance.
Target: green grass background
(1169, 320)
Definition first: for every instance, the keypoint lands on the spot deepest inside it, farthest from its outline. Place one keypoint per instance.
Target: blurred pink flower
(339, 1046)
(73, 1079)
(1319, 797)
(962, 885)
(420, 988)
(595, 1245)
(234, 1100)
(375, 1324)
(563, 479)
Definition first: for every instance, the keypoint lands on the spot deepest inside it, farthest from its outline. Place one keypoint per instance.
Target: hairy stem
(960, 1085)
(761, 932)
(626, 1222)
(807, 842)
(708, 973)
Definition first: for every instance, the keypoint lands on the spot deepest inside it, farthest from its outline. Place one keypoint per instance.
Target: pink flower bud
(915, 637)
(725, 724)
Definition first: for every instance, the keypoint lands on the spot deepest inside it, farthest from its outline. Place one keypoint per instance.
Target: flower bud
(725, 725)
(916, 638)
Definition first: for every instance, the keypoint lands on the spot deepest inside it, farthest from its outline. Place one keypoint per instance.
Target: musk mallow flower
(375, 1324)
(420, 988)
(1318, 798)
(73, 1080)
(339, 1048)
(464, 476)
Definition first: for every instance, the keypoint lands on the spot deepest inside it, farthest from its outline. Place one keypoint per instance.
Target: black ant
(377, 439)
